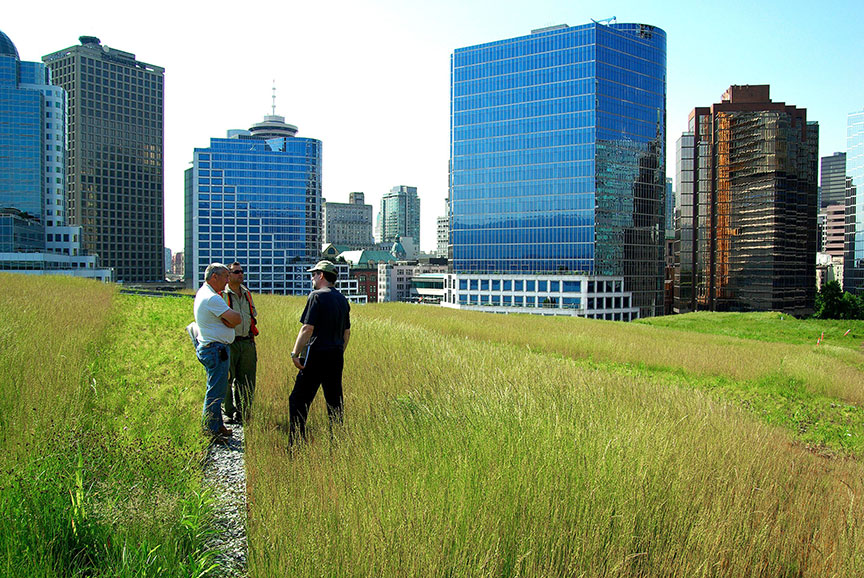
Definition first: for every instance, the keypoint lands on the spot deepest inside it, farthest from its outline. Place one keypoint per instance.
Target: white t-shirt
(209, 305)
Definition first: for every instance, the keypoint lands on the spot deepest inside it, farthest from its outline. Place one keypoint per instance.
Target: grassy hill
(474, 444)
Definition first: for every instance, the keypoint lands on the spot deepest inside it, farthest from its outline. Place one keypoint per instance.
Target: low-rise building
(596, 297)
(394, 281)
(367, 281)
(828, 268)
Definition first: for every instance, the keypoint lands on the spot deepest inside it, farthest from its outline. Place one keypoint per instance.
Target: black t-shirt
(328, 311)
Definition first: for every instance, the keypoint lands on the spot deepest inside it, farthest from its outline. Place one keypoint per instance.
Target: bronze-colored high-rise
(747, 178)
(114, 161)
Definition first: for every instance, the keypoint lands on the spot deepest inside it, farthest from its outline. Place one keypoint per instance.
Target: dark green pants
(241, 378)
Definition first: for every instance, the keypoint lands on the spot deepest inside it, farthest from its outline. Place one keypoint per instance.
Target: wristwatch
(293, 355)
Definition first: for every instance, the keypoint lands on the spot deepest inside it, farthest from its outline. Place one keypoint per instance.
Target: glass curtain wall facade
(557, 155)
(32, 140)
(115, 163)
(833, 181)
(258, 202)
(748, 190)
(853, 261)
(33, 173)
(400, 215)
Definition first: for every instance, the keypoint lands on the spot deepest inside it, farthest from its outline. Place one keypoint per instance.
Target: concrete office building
(394, 281)
(399, 216)
(177, 264)
(558, 160)
(443, 237)
(833, 229)
(829, 259)
(115, 156)
(670, 207)
(747, 179)
(349, 224)
(34, 235)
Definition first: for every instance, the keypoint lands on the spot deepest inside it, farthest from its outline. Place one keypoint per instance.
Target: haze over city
(371, 78)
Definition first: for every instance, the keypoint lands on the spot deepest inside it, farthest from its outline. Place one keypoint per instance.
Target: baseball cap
(325, 266)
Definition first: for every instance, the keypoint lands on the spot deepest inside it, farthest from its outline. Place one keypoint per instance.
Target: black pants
(323, 368)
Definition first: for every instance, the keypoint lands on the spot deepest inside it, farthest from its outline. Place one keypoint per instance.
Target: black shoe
(219, 440)
(231, 419)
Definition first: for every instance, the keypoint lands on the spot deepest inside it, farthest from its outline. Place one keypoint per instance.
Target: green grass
(769, 326)
(99, 402)
(815, 391)
(474, 445)
(482, 445)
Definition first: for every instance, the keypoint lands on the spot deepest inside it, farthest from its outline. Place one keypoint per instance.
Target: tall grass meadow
(100, 468)
(473, 449)
(474, 444)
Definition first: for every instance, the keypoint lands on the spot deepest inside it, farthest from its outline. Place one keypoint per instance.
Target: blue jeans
(217, 382)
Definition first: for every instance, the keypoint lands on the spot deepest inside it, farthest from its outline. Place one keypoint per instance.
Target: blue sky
(370, 78)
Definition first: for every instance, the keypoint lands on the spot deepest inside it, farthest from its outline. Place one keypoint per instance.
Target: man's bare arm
(303, 337)
(231, 318)
(345, 337)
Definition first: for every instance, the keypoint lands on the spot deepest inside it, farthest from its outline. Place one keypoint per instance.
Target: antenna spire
(274, 97)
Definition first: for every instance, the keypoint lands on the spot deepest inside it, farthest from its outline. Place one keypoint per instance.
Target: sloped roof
(363, 257)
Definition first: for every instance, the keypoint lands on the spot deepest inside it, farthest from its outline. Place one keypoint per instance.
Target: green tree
(833, 303)
(852, 306)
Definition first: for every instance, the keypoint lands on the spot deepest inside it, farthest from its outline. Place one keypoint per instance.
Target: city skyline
(379, 99)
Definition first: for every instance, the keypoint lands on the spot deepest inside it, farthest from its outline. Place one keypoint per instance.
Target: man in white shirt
(216, 322)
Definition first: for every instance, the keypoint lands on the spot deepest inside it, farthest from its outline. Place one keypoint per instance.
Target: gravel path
(225, 472)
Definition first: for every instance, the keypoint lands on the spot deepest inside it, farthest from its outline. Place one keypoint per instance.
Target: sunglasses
(237, 272)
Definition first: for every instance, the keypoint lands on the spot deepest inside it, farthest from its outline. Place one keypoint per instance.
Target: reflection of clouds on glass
(557, 154)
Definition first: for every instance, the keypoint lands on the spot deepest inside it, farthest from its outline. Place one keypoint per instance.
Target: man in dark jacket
(318, 350)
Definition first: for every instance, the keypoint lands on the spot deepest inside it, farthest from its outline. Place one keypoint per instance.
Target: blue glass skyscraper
(558, 155)
(255, 197)
(34, 237)
(853, 261)
(32, 138)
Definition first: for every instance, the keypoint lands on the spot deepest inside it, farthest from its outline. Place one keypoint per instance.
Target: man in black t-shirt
(318, 350)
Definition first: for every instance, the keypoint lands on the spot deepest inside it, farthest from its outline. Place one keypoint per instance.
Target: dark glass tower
(747, 179)
(557, 155)
(114, 160)
(833, 182)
